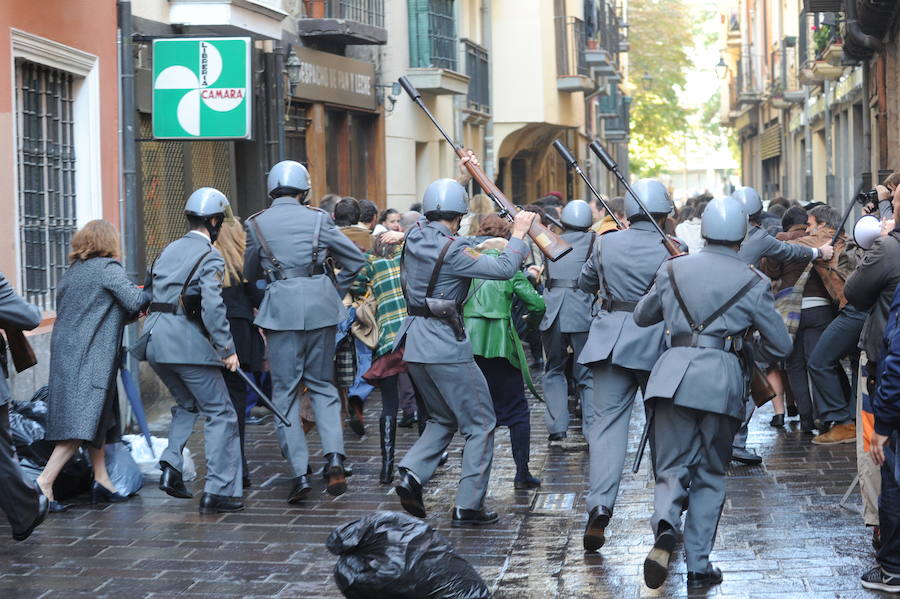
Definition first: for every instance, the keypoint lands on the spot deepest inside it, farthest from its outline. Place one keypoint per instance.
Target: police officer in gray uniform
(567, 320)
(757, 245)
(436, 271)
(187, 341)
(619, 353)
(287, 245)
(24, 505)
(697, 388)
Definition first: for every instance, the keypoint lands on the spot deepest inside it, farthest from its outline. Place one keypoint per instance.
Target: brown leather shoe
(839, 433)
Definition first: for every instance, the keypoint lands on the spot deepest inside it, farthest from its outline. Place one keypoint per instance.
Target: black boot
(388, 436)
(520, 439)
(334, 470)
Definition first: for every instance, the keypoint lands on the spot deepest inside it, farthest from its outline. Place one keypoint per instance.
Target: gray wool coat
(94, 302)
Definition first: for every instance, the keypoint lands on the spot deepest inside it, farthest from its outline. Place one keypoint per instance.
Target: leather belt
(728, 344)
(423, 311)
(300, 272)
(562, 284)
(165, 308)
(618, 306)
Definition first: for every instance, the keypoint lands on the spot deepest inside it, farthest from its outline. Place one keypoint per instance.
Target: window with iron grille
(45, 166)
(479, 77)
(432, 34)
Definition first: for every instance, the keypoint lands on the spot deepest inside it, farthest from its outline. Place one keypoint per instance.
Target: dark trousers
(813, 322)
(390, 396)
(18, 499)
(889, 511)
(832, 393)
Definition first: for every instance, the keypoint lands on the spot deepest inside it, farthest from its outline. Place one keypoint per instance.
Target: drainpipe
(807, 140)
(128, 215)
(829, 150)
(486, 41)
(853, 31)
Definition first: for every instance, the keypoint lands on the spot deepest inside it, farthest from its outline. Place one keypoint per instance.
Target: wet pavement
(782, 533)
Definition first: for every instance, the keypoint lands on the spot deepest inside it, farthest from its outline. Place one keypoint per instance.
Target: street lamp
(647, 81)
(721, 69)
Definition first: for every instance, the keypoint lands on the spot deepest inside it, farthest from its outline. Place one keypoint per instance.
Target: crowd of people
(451, 311)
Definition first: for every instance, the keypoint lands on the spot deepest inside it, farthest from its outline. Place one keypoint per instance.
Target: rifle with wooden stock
(552, 245)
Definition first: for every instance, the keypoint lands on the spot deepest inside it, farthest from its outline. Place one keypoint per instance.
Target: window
(432, 34)
(46, 176)
(479, 77)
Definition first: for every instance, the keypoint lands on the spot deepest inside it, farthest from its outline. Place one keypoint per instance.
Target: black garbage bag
(391, 555)
(27, 423)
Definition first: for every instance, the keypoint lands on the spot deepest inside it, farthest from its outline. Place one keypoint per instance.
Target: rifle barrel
(572, 163)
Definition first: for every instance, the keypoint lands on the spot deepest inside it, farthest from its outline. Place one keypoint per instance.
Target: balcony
(345, 22)
(604, 42)
(433, 48)
(259, 18)
(571, 61)
(478, 70)
(617, 127)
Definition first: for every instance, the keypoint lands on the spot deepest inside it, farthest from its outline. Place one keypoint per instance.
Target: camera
(868, 197)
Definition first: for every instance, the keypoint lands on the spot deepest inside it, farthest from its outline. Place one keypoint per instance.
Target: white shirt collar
(201, 234)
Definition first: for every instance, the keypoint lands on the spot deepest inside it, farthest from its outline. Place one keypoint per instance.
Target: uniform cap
(206, 201)
(724, 219)
(749, 198)
(445, 195)
(577, 215)
(655, 198)
(288, 175)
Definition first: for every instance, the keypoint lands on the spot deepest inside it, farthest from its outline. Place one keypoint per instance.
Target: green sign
(201, 88)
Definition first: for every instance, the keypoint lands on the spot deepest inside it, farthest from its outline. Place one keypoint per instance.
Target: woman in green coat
(499, 352)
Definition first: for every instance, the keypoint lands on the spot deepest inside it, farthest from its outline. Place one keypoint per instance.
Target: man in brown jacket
(821, 294)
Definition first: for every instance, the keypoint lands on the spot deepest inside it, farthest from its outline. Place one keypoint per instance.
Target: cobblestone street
(782, 533)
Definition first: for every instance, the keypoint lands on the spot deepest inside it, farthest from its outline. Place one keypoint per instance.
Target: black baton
(262, 397)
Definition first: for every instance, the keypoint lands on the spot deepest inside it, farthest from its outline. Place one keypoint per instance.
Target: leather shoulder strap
(190, 276)
(590, 246)
(265, 246)
(317, 231)
(437, 268)
(697, 328)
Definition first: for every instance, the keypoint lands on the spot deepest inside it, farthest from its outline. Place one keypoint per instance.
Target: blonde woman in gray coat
(94, 302)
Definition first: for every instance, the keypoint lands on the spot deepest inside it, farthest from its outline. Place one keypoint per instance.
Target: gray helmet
(288, 175)
(206, 201)
(655, 198)
(749, 198)
(577, 215)
(445, 195)
(724, 219)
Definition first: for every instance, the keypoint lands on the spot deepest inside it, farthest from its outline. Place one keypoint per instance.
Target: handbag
(365, 327)
(789, 302)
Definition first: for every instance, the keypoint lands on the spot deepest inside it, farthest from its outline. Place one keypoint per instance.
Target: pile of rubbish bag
(391, 555)
(28, 425)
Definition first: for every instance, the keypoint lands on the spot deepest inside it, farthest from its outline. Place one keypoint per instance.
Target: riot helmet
(724, 220)
(205, 204)
(288, 178)
(750, 200)
(655, 198)
(577, 215)
(445, 195)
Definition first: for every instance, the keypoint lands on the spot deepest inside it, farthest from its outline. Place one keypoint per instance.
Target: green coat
(488, 317)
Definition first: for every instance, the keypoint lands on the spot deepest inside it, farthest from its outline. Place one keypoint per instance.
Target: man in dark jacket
(24, 506)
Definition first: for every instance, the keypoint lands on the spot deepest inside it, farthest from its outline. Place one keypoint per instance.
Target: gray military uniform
(620, 353)
(443, 367)
(758, 245)
(187, 357)
(698, 392)
(299, 312)
(566, 324)
(18, 499)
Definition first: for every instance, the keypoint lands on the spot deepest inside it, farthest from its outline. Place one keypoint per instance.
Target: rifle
(572, 163)
(21, 351)
(612, 167)
(552, 245)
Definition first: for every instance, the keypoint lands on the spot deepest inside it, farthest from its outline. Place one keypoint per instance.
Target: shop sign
(324, 77)
(202, 88)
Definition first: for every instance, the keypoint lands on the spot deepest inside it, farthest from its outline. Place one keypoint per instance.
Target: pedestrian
(187, 341)
(759, 244)
(25, 506)
(607, 224)
(688, 230)
(567, 320)
(299, 313)
(697, 387)
(480, 206)
(94, 302)
(619, 353)
(346, 218)
(389, 220)
(438, 269)
(238, 296)
(498, 350)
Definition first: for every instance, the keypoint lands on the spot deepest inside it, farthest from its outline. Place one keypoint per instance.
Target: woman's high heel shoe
(777, 421)
(100, 494)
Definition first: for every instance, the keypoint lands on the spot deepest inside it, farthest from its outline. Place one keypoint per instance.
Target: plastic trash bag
(149, 463)
(123, 471)
(390, 555)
